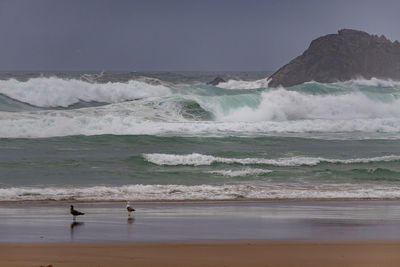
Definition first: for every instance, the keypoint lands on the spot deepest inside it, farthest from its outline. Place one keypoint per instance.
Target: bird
(75, 212)
(129, 208)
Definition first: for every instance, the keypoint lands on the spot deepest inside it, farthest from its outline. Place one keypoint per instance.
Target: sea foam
(196, 159)
(284, 105)
(66, 123)
(239, 84)
(202, 192)
(241, 172)
(57, 92)
(161, 112)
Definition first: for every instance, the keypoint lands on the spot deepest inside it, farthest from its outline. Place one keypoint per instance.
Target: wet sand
(200, 221)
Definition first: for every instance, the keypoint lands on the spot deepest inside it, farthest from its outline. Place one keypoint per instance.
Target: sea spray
(56, 92)
(238, 84)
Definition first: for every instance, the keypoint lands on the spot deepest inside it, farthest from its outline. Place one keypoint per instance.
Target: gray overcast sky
(177, 34)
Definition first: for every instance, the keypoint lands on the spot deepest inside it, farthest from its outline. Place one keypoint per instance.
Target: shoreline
(238, 200)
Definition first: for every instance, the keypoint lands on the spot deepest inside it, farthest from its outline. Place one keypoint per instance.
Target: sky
(177, 35)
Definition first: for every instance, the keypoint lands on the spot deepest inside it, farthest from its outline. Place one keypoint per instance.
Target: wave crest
(56, 92)
(284, 105)
(243, 85)
(308, 110)
(196, 159)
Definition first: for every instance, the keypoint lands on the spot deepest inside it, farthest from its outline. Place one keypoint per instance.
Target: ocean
(171, 136)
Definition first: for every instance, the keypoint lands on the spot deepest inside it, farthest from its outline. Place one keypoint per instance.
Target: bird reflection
(130, 220)
(75, 225)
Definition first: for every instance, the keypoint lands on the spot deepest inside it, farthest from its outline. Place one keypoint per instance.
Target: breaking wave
(240, 85)
(196, 159)
(56, 92)
(284, 105)
(240, 173)
(66, 123)
(135, 107)
(202, 192)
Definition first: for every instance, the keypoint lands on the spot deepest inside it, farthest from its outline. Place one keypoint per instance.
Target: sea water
(171, 136)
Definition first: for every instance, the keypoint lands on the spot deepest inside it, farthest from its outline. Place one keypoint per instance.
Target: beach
(219, 233)
(263, 253)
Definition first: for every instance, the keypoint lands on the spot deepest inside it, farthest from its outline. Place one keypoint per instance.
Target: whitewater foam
(241, 172)
(163, 113)
(243, 85)
(62, 124)
(201, 192)
(284, 105)
(376, 82)
(196, 159)
(56, 92)
(66, 123)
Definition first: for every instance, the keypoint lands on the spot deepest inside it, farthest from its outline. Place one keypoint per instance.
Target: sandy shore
(282, 233)
(260, 253)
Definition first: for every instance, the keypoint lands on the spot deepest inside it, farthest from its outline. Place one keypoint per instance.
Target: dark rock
(340, 57)
(217, 81)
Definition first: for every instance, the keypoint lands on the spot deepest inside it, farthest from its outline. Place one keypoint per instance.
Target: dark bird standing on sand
(129, 208)
(75, 212)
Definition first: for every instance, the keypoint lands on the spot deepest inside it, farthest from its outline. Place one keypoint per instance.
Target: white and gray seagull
(129, 208)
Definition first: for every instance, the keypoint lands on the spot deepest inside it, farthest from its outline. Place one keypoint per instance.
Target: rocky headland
(343, 56)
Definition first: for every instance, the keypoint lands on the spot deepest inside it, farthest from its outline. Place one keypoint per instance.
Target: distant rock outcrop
(217, 81)
(343, 56)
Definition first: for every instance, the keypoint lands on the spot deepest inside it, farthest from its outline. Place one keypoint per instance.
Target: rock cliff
(343, 56)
